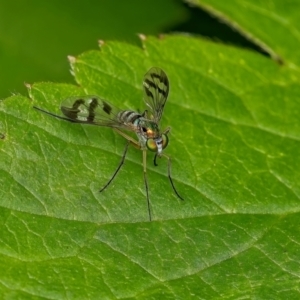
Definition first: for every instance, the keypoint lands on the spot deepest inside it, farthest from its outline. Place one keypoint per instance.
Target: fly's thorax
(147, 128)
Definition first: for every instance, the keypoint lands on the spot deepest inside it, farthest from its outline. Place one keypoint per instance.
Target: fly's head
(151, 136)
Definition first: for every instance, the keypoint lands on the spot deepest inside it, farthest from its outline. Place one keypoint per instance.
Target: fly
(96, 111)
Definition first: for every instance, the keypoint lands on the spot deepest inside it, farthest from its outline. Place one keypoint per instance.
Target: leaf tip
(28, 85)
(101, 43)
(142, 37)
(71, 59)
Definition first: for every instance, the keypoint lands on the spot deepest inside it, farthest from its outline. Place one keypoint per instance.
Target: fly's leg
(154, 160)
(136, 144)
(146, 182)
(118, 168)
(170, 178)
(130, 140)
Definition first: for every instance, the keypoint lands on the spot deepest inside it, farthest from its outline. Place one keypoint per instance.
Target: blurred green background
(37, 36)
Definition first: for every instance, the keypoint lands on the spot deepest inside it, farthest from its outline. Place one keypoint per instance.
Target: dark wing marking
(156, 90)
(94, 110)
(91, 110)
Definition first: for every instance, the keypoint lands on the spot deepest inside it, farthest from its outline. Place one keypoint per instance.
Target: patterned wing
(156, 90)
(93, 110)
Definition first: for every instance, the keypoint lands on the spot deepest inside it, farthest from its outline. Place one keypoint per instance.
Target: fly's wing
(156, 90)
(93, 110)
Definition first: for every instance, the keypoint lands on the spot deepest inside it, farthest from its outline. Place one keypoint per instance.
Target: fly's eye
(165, 140)
(151, 145)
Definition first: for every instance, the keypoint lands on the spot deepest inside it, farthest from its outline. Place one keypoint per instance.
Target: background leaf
(234, 145)
(273, 25)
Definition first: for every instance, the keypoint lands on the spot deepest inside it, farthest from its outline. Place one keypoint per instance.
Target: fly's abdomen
(128, 116)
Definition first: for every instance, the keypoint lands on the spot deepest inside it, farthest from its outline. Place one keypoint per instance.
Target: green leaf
(272, 25)
(234, 146)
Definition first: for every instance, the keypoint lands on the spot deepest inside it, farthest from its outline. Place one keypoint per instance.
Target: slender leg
(170, 178)
(118, 169)
(128, 138)
(167, 130)
(154, 160)
(146, 182)
(136, 144)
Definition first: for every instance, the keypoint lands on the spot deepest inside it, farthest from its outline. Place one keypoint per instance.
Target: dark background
(37, 36)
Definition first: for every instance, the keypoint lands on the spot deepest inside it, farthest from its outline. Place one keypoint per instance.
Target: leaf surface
(234, 146)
